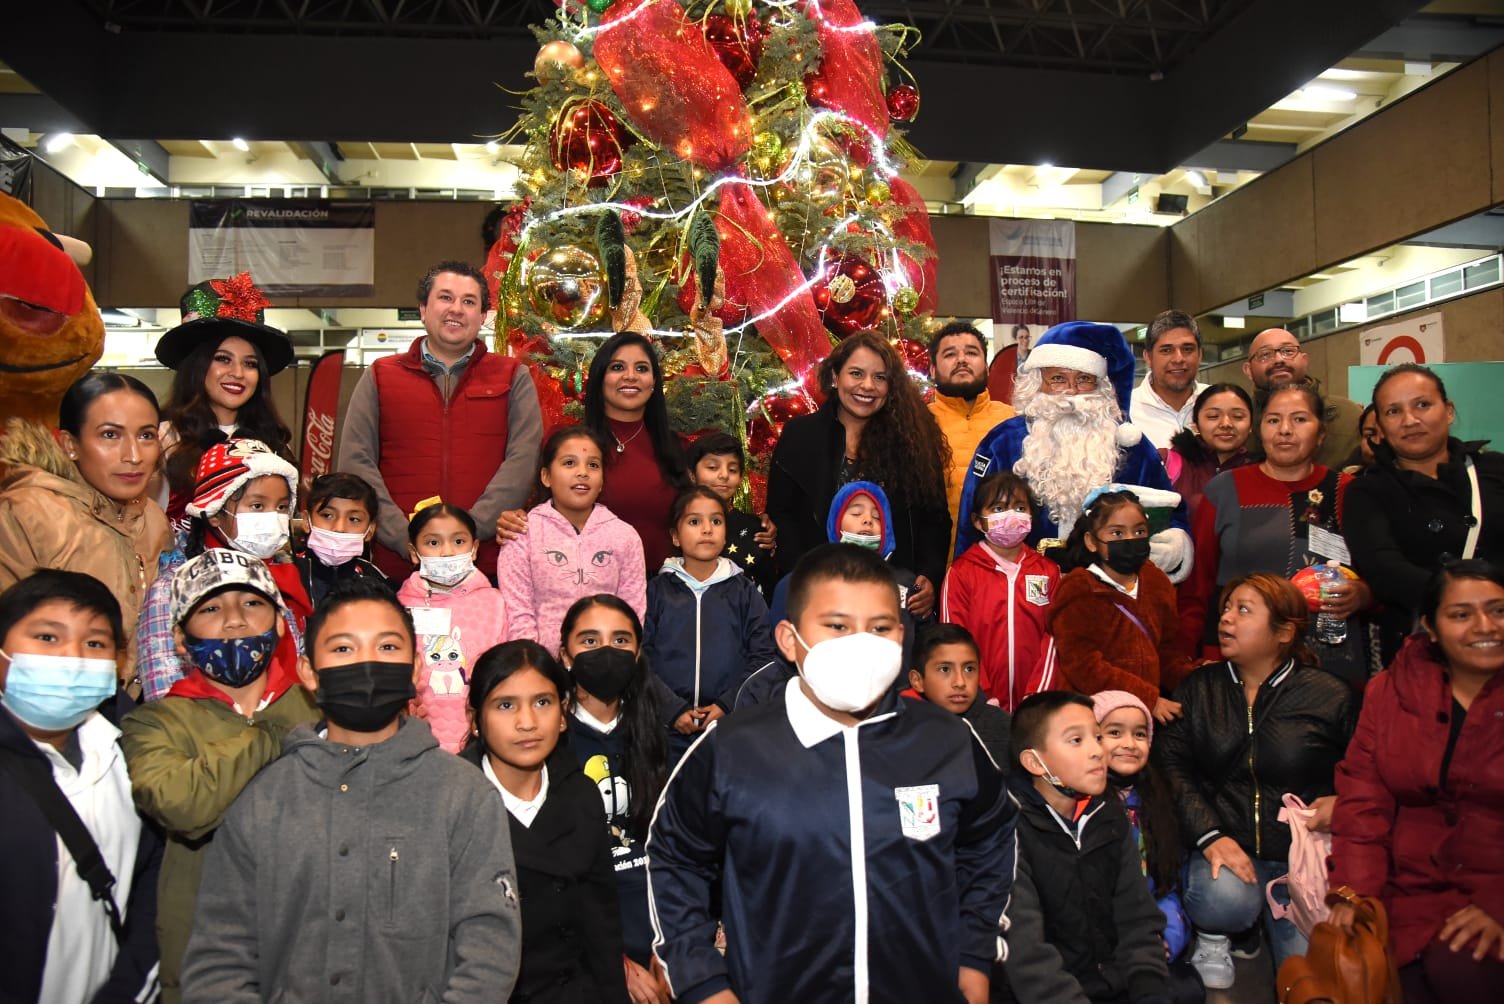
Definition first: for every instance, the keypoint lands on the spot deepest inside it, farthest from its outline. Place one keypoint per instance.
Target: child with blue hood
(860, 515)
(706, 628)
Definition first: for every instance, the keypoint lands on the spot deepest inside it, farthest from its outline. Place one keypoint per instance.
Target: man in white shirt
(1161, 406)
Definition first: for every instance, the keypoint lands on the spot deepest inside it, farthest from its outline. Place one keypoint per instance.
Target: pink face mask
(1008, 528)
(334, 548)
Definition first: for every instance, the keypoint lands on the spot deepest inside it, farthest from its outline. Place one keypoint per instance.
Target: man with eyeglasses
(1163, 404)
(1275, 357)
(1070, 436)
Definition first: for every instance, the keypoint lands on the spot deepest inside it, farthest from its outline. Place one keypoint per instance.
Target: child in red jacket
(1114, 619)
(1000, 590)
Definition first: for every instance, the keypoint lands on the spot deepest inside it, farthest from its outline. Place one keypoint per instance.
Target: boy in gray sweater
(366, 864)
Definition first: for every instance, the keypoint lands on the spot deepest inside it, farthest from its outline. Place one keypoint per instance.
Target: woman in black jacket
(873, 426)
(571, 924)
(1414, 510)
(1263, 722)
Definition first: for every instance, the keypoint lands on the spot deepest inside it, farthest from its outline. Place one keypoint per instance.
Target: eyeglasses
(1286, 352)
(1081, 381)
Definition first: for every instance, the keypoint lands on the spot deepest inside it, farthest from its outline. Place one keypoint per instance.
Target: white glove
(1172, 551)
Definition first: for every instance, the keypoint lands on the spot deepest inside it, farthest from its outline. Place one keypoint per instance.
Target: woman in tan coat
(78, 502)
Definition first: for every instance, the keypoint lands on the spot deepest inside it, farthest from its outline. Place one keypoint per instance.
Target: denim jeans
(1228, 905)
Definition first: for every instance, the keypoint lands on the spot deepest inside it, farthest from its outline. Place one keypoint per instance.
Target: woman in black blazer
(873, 426)
(571, 925)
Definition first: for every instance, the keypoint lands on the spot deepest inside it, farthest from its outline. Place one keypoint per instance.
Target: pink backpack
(1306, 881)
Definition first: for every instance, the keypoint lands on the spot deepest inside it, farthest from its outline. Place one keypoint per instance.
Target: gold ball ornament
(906, 300)
(556, 60)
(567, 288)
(878, 193)
(842, 289)
(738, 8)
(767, 144)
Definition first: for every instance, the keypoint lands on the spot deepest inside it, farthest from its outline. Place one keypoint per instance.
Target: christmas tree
(745, 147)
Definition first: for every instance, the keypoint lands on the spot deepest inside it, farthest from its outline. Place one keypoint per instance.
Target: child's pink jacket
(477, 622)
(541, 574)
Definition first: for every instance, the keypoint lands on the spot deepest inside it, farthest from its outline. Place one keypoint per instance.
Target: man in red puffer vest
(445, 418)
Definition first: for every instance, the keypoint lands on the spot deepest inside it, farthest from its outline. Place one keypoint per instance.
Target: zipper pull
(392, 857)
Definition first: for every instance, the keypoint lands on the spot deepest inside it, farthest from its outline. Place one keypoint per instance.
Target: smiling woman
(873, 426)
(80, 503)
(224, 356)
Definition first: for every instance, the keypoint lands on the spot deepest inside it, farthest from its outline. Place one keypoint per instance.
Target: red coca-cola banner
(320, 413)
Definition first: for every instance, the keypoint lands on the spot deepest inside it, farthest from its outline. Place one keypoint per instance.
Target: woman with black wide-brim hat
(224, 354)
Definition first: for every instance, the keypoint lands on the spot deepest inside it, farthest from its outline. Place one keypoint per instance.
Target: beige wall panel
(1185, 264)
(1420, 163)
(1253, 239)
(1122, 272)
(1496, 121)
(962, 278)
(141, 259)
(65, 207)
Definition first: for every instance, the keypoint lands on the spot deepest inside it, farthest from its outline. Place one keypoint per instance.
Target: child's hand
(1166, 711)
(767, 537)
(1224, 852)
(922, 598)
(1320, 818)
(708, 714)
(975, 985)
(1471, 923)
(686, 724)
(510, 525)
(642, 987)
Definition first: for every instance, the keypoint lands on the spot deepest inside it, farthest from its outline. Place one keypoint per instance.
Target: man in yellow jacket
(961, 406)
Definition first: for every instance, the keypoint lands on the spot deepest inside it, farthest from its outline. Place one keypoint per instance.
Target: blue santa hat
(1098, 349)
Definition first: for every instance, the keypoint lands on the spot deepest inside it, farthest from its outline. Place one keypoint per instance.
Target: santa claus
(1070, 436)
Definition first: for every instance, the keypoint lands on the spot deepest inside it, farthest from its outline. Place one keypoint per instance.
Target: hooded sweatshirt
(541, 575)
(453, 629)
(394, 881)
(704, 639)
(1006, 607)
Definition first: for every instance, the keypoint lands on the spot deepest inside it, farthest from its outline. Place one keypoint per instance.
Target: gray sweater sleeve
(484, 919)
(1036, 970)
(360, 454)
(513, 481)
(221, 961)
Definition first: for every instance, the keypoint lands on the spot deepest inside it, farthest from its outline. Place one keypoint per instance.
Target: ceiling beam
(147, 154)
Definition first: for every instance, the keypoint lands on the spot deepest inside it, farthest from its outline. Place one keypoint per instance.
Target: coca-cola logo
(320, 440)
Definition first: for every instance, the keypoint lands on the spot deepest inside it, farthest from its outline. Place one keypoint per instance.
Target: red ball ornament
(916, 357)
(738, 45)
(903, 102)
(849, 294)
(588, 138)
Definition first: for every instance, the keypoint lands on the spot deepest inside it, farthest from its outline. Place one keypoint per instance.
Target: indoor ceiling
(1141, 86)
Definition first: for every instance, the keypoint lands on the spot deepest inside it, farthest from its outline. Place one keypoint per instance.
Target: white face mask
(334, 548)
(871, 541)
(446, 571)
(260, 534)
(853, 672)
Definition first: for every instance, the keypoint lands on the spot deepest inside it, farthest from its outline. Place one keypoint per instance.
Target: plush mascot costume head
(50, 328)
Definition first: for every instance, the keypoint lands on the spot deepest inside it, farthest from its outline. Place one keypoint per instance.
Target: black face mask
(1125, 557)
(604, 672)
(365, 696)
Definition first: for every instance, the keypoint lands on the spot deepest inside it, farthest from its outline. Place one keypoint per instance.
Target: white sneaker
(1212, 959)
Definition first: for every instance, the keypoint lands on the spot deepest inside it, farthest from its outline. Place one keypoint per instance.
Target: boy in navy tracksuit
(1084, 928)
(864, 843)
(859, 514)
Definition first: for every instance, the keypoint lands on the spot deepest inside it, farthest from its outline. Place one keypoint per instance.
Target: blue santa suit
(1001, 448)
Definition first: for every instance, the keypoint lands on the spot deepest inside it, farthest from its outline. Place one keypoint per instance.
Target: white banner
(1417, 340)
(291, 247)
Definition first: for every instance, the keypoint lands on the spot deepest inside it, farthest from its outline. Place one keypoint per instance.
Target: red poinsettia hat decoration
(214, 310)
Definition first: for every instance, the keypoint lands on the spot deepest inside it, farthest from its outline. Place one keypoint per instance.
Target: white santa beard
(1071, 447)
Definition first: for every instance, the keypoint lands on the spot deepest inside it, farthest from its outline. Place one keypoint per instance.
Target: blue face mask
(234, 662)
(53, 693)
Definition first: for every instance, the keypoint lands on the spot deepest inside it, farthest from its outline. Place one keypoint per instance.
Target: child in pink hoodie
(573, 547)
(457, 615)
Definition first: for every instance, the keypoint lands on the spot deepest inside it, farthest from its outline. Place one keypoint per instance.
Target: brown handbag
(1342, 968)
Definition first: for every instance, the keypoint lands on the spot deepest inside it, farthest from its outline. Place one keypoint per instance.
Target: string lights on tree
(772, 123)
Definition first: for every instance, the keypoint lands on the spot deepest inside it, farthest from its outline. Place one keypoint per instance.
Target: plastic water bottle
(1330, 629)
